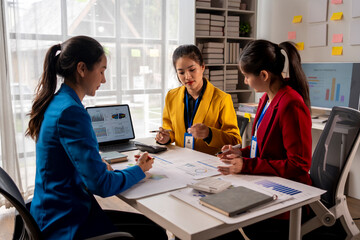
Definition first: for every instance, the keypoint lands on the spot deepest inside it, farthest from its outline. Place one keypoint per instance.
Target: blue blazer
(69, 168)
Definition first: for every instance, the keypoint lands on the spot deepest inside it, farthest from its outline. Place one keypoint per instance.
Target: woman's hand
(199, 130)
(108, 166)
(145, 161)
(163, 136)
(234, 165)
(228, 150)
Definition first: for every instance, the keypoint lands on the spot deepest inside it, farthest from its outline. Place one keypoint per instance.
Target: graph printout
(329, 83)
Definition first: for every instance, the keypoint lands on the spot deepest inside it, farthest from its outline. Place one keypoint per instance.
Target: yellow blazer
(216, 110)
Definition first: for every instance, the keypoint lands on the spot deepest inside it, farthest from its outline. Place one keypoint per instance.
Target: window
(139, 37)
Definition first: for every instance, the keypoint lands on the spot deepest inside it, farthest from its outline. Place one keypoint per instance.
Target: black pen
(156, 131)
(236, 146)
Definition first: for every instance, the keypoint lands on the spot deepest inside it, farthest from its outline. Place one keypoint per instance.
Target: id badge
(253, 148)
(188, 141)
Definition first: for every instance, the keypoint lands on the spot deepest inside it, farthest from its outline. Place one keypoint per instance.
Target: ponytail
(297, 76)
(45, 91)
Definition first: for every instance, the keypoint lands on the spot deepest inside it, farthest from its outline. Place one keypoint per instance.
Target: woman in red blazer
(281, 135)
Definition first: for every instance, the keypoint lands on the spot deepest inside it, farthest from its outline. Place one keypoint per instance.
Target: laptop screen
(111, 123)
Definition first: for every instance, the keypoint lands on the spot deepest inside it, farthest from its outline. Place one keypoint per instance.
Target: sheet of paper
(172, 169)
(337, 38)
(336, 16)
(336, 51)
(292, 35)
(317, 35)
(297, 19)
(354, 32)
(317, 11)
(355, 6)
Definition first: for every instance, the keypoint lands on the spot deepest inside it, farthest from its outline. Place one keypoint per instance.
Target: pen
(156, 131)
(236, 146)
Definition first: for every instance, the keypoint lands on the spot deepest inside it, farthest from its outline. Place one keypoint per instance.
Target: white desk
(188, 222)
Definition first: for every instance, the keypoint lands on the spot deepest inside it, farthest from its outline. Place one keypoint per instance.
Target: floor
(7, 215)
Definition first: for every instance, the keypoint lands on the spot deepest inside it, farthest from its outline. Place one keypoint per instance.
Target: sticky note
(300, 46)
(336, 1)
(291, 35)
(336, 16)
(135, 52)
(297, 19)
(337, 38)
(337, 51)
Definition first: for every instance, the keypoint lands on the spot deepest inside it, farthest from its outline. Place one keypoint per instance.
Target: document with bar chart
(329, 84)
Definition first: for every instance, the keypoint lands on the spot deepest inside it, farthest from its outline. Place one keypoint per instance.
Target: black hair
(62, 60)
(260, 55)
(191, 51)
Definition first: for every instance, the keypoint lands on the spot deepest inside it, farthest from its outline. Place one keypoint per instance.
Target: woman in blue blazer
(69, 169)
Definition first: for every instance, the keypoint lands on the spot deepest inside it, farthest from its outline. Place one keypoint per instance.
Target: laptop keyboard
(123, 147)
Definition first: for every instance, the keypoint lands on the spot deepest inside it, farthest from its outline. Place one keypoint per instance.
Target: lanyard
(261, 117)
(190, 121)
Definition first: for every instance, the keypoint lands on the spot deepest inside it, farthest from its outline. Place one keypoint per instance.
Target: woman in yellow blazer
(197, 115)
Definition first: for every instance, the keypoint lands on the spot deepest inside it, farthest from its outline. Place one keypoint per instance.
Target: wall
(275, 21)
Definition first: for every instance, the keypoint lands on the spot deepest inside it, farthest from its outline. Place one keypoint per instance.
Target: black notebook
(235, 200)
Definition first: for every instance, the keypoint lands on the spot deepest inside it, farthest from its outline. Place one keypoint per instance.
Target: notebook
(235, 200)
(113, 127)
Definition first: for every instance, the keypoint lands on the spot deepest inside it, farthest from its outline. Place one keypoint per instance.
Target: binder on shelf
(217, 78)
(202, 33)
(213, 50)
(217, 17)
(202, 21)
(202, 27)
(214, 45)
(213, 61)
(203, 4)
(202, 15)
(213, 55)
(248, 107)
(217, 23)
(216, 72)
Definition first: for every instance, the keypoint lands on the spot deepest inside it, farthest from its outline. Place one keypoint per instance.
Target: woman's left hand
(108, 166)
(199, 130)
(234, 165)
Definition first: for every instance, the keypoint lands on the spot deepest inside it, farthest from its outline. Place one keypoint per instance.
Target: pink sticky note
(336, 1)
(291, 35)
(337, 38)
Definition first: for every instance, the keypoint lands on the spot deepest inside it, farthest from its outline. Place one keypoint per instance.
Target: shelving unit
(209, 13)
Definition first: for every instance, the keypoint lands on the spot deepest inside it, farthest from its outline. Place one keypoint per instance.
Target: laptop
(113, 127)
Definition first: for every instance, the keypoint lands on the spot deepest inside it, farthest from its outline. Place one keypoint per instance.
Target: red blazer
(284, 138)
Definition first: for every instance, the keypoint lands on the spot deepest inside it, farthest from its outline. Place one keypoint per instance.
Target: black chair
(242, 123)
(25, 225)
(331, 163)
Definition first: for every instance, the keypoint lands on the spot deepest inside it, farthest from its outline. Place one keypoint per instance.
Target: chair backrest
(242, 123)
(10, 191)
(335, 152)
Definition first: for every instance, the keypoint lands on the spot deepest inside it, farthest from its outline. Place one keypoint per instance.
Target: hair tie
(59, 50)
(285, 70)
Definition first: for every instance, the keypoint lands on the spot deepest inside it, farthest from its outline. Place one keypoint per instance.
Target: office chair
(331, 163)
(25, 225)
(242, 124)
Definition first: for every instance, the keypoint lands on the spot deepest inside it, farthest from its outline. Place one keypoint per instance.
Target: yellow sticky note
(300, 46)
(297, 19)
(336, 50)
(336, 16)
(135, 52)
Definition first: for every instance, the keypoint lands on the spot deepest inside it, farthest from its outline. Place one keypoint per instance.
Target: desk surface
(189, 222)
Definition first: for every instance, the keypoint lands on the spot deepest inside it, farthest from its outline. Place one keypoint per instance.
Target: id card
(188, 141)
(253, 148)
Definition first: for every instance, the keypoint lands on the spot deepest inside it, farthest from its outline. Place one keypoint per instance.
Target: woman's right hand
(163, 136)
(144, 161)
(228, 152)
